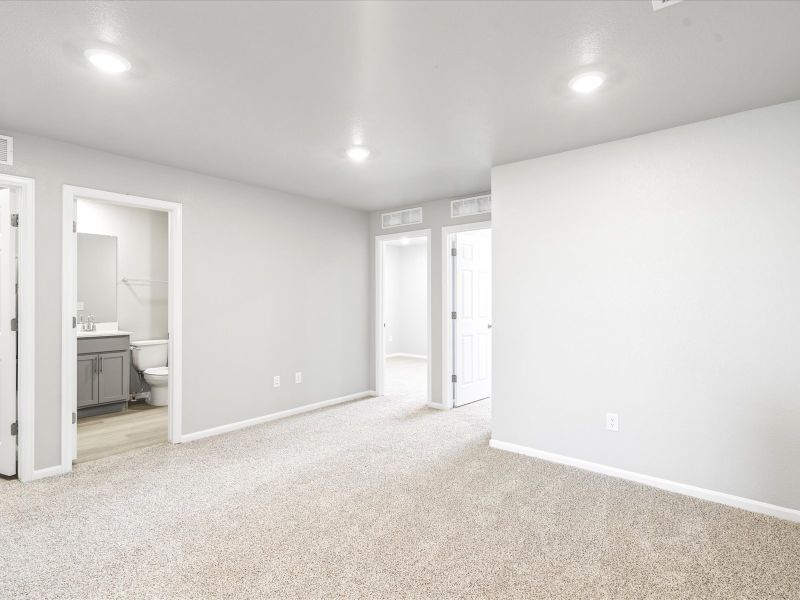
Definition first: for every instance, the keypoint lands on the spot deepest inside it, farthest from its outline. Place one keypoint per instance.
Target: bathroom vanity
(103, 371)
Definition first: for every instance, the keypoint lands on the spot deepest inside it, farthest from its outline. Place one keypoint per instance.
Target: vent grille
(466, 207)
(6, 150)
(398, 218)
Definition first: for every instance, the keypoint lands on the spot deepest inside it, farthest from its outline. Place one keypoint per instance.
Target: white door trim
(174, 212)
(25, 189)
(447, 302)
(380, 348)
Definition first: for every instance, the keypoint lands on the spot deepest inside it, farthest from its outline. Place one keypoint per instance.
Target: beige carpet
(380, 498)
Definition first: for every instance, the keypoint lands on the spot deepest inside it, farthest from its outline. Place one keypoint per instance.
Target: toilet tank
(146, 354)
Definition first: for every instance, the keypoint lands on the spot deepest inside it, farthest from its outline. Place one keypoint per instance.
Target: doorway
(468, 312)
(403, 340)
(121, 354)
(17, 320)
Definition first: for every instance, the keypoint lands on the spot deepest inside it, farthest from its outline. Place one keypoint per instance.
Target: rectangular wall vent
(6, 150)
(466, 207)
(398, 218)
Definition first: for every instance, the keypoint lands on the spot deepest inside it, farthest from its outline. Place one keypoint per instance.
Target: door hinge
(454, 378)
(454, 315)
(14, 428)
(453, 252)
(74, 227)
(74, 322)
(15, 220)
(74, 418)
(14, 324)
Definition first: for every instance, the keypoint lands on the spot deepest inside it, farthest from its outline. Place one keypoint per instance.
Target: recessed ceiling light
(405, 241)
(358, 153)
(586, 83)
(108, 62)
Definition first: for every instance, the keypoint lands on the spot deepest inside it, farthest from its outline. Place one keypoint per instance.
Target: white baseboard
(437, 406)
(406, 355)
(42, 473)
(188, 437)
(790, 514)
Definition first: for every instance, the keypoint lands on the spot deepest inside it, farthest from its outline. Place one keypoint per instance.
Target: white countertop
(102, 333)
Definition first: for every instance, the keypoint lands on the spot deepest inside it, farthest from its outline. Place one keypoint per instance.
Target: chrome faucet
(90, 325)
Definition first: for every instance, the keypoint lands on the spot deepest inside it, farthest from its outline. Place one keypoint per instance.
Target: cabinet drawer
(117, 343)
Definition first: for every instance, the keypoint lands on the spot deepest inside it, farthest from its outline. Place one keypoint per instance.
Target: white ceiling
(273, 93)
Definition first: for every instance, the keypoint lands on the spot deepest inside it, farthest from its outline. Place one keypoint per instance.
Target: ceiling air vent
(6, 150)
(466, 207)
(409, 216)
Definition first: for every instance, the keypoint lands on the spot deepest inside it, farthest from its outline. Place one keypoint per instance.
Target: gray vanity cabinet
(103, 372)
(114, 377)
(87, 380)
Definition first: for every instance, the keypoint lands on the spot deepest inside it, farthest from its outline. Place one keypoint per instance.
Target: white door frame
(447, 302)
(380, 346)
(174, 212)
(25, 191)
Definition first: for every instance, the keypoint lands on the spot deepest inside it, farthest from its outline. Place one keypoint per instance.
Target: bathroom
(121, 328)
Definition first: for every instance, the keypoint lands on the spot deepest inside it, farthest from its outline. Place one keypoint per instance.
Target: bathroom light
(405, 241)
(108, 62)
(358, 153)
(586, 83)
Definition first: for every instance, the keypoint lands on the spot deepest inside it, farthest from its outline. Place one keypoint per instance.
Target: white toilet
(150, 358)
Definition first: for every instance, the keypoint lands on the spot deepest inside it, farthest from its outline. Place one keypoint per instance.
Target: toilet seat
(157, 371)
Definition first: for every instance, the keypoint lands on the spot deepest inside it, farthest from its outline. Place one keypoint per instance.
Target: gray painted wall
(657, 277)
(406, 299)
(436, 214)
(273, 284)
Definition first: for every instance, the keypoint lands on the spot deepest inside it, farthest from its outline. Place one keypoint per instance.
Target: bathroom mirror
(97, 277)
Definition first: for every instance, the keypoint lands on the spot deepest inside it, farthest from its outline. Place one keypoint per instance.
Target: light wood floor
(105, 435)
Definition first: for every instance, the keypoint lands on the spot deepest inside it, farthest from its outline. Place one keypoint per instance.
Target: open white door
(74, 397)
(472, 327)
(8, 338)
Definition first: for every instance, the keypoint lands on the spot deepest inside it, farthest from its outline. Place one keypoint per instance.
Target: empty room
(400, 299)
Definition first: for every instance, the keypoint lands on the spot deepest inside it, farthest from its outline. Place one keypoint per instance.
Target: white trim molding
(25, 189)
(198, 435)
(756, 506)
(407, 355)
(174, 212)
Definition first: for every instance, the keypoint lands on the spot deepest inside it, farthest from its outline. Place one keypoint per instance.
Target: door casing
(25, 191)
(380, 346)
(69, 357)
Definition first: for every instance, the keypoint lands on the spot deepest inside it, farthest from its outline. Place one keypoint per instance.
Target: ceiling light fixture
(108, 62)
(586, 83)
(358, 153)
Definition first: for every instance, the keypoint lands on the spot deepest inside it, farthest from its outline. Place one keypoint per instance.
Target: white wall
(657, 277)
(406, 299)
(141, 254)
(257, 264)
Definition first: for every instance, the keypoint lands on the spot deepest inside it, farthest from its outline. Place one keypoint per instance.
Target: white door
(75, 330)
(8, 337)
(472, 327)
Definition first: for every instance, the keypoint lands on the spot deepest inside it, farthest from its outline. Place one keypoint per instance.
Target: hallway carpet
(378, 498)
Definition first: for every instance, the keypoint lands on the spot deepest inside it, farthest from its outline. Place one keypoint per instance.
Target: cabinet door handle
(101, 364)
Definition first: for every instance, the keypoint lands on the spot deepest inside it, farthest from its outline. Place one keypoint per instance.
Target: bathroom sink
(102, 333)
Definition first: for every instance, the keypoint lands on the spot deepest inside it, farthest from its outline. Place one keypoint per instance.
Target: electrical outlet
(298, 377)
(276, 381)
(391, 338)
(612, 421)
